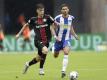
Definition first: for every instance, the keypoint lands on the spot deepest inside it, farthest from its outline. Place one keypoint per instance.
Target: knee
(66, 51)
(44, 50)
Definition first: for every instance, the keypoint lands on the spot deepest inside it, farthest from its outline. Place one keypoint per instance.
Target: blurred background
(90, 20)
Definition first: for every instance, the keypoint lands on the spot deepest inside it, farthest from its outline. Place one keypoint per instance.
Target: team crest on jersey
(44, 20)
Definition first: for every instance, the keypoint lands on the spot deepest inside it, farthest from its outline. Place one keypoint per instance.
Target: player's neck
(65, 15)
(40, 16)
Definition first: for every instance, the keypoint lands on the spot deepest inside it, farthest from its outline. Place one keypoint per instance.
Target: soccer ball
(73, 75)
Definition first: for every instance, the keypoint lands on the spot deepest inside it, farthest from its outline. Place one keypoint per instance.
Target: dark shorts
(39, 45)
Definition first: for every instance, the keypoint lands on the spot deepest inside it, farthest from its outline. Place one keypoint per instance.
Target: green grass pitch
(89, 64)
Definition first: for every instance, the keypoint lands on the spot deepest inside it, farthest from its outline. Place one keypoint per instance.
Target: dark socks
(33, 61)
(42, 61)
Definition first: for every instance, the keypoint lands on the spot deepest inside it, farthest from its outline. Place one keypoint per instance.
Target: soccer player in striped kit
(64, 29)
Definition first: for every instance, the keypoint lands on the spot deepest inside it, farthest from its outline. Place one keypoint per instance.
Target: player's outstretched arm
(52, 28)
(53, 32)
(18, 34)
(73, 33)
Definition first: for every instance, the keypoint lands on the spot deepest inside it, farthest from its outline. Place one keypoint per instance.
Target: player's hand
(57, 38)
(17, 36)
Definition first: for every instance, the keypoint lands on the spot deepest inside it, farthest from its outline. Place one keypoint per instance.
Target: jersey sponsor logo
(40, 26)
(65, 26)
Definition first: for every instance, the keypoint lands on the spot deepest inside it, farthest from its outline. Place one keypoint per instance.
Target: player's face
(65, 10)
(40, 11)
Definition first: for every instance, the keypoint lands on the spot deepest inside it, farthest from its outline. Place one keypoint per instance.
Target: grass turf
(89, 64)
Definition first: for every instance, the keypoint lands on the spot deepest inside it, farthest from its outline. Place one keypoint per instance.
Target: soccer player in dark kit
(43, 25)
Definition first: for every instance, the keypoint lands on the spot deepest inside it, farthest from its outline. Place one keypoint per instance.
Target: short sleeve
(57, 18)
(31, 23)
(73, 19)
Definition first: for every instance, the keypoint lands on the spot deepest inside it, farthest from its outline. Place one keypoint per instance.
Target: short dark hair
(65, 5)
(40, 6)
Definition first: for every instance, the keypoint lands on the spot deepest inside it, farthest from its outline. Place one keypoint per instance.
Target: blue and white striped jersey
(64, 26)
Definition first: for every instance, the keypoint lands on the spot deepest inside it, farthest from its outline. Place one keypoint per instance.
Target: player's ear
(37, 11)
(68, 9)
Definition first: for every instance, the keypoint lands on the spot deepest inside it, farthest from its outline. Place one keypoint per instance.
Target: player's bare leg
(65, 61)
(33, 61)
(44, 50)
